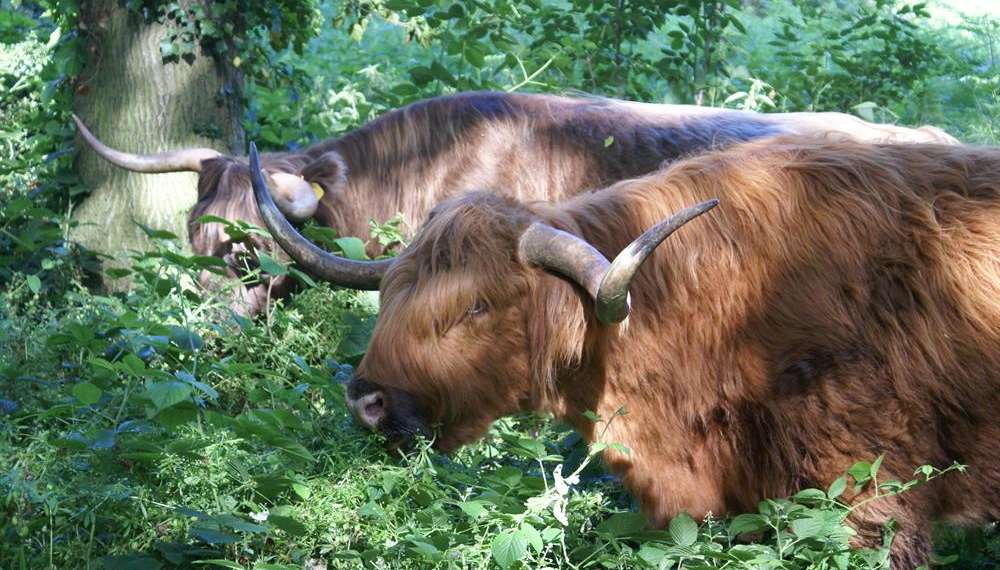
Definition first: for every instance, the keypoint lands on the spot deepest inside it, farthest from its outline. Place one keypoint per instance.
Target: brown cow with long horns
(842, 301)
(528, 146)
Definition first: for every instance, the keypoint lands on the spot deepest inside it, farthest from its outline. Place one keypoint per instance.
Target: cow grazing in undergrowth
(530, 147)
(842, 301)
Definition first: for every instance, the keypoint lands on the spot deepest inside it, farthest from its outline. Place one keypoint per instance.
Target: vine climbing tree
(166, 75)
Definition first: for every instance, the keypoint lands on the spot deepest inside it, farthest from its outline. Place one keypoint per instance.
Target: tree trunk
(135, 102)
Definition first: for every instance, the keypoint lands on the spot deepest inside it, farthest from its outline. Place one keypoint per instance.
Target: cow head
(299, 181)
(477, 314)
(294, 195)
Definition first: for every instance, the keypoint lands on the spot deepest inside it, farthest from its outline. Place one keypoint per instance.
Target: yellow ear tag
(318, 191)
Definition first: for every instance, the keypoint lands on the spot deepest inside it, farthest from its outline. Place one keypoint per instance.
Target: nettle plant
(539, 508)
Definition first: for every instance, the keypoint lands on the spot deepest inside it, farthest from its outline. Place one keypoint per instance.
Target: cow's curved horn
(607, 282)
(171, 161)
(345, 272)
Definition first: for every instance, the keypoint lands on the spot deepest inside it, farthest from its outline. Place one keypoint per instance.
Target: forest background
(140, 430)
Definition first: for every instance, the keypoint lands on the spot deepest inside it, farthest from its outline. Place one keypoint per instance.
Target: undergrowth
(142, 430)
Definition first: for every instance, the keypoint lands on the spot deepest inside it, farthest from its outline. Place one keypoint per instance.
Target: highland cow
(530, 147)
(842, 302)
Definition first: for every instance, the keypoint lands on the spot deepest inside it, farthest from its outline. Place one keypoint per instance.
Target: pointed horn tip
(254, 157)
(614, 304)
(81, 126)
(705, 206)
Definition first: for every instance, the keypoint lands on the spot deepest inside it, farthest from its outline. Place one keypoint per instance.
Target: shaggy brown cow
(527, 146)
(842, 302)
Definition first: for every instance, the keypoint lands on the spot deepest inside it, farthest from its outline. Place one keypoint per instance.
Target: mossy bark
(136, 102)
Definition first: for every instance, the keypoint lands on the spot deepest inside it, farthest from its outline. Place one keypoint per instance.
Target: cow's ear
(328, 171)
(557, 328)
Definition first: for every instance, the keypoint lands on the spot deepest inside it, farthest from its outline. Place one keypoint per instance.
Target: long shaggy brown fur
(530, 147)
(842, 302)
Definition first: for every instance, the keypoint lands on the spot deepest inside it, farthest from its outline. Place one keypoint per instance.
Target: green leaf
(747, 523)
(34, 283)
(508, 548)
(683, 530)
(302, 490)
(622, 524)
(302, 277)
(652, 555)
(166, 394)
(359, 332)
(837, 487)
(861, 471)
(154, 233)
(166, 49)
(117, 273)
(220, 562)
(810, 525)
(609, 141)
(177, 415)
(876, 465)
(271, 265)
(532, 537)
(207, 261)
(87, 393)
(810, 496)
(473, 509)
(351, 247)
(287, 524)
(134, 365)
(186, 339)
(212, 536)
(424, 549)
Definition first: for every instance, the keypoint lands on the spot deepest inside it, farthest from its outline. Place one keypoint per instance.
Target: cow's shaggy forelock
(842, 302)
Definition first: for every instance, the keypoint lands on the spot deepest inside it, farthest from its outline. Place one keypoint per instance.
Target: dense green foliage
(153, 429)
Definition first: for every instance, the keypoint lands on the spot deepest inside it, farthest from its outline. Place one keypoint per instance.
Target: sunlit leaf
(683, 530)
(508, 548)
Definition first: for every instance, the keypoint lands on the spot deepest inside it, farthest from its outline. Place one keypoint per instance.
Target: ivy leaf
(683, 530)
(166, 49)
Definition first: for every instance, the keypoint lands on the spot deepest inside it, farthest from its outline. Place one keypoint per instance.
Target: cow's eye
(477, 308)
